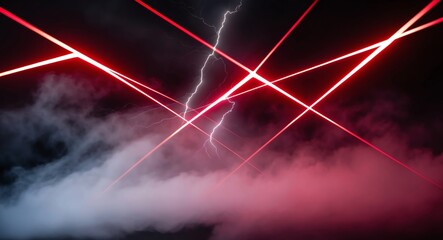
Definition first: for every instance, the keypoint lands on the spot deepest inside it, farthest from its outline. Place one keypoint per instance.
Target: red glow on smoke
(379, 47)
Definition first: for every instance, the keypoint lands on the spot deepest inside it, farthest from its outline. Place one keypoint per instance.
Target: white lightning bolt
(202, 70)
(211, 136)
(211, 55)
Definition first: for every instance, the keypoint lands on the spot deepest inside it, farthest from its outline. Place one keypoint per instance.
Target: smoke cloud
(60, 155)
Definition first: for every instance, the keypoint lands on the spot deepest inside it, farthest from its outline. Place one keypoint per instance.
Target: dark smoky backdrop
(68, 129)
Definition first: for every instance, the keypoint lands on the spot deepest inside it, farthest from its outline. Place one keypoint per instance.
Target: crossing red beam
(253, 74)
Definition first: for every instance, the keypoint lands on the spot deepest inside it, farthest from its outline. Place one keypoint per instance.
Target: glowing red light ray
(39, 64)
(286, 35)
(346, 77)
(419, 28)
(210, 106)
(104, 68)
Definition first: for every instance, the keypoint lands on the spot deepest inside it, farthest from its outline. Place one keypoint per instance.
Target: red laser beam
(210, 106)
(346, 77)
(266, 82)
(286, 35)
(39, 64)
(419, 28)
(102, 67)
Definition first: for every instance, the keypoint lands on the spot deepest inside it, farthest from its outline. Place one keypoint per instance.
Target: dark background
(130, 39)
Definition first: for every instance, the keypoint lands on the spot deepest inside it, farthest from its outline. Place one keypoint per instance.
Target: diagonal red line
(111, 72)
(39, 64)
(346, 77)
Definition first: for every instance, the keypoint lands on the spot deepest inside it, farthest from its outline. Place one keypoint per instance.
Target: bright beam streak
(211, 55)
(39, 64)
(346, 77)
(102, 67)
